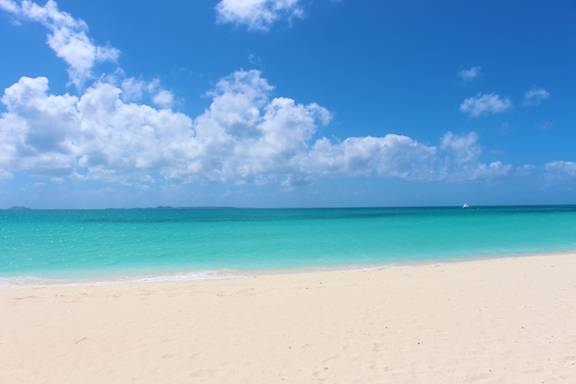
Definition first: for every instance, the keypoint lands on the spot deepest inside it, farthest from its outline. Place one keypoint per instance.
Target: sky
(287, 103)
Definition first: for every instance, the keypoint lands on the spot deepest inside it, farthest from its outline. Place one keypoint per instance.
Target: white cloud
(559, 173)
(10, 6)
(133, 90)
(164, 99)
(464, 148)
(60, 135)
(496, 170)
(245, 136)
(137, 90)
(462, 160)
(564, 168)
(480, 104)
(535, 96)
(38, 129)
(469, 74)
(68, 38)
(258, 14)
(388, 156)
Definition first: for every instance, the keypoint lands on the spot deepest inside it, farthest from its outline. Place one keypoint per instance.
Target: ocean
(137, 245)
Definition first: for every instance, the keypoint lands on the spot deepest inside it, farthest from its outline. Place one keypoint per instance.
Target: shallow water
(154, 245)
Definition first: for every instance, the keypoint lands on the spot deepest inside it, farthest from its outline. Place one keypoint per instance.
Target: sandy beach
(508, 320)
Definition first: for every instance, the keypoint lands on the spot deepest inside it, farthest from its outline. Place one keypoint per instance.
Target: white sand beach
(510, 320)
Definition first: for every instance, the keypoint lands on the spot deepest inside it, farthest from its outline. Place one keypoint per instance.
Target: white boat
(465, 206)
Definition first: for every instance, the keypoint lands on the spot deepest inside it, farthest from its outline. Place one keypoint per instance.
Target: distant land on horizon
(19, 208)
(167, 207)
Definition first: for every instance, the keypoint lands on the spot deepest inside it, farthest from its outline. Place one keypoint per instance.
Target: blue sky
(287, 103)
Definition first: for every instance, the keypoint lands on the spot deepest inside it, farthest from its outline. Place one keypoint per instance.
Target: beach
(498, 320)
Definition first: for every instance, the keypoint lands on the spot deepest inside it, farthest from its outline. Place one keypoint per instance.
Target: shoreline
(492, 320)
(190, 276)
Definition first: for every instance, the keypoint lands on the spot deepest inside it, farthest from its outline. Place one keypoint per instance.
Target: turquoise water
(112, 245)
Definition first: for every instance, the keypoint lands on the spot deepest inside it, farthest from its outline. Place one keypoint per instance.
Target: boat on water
(465, 206)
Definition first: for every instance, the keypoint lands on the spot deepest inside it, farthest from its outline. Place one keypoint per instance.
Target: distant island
(160, 208)
(18, 208)
(166, 208)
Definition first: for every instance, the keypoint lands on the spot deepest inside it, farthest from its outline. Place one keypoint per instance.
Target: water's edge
(34, 282)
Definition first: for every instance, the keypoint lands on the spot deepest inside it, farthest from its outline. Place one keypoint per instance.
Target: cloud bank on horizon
(246, 136)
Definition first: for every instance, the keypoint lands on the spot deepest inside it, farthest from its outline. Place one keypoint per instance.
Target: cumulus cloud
(138, 90)
(164, 99)
(463, 163)
(96, 135)
(559, 173)
(245, 136)
(133, 89)
(68, 37)
(258, 14)
(535, 96)
(468, 75)
(483, 104)
(464, 148)
(565, 168)
(388, 156)
(38, 128)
